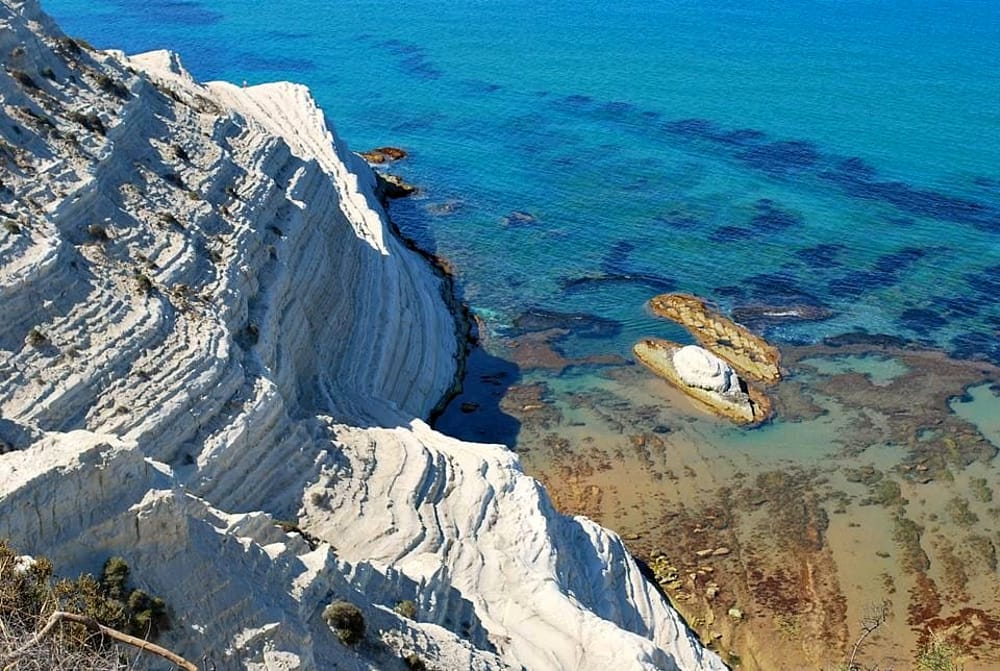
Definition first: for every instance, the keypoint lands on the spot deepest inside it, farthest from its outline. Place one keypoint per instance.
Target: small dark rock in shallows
(383, 155)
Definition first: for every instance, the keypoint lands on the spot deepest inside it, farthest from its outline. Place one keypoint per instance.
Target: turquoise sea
(836, 153)
(579, 157)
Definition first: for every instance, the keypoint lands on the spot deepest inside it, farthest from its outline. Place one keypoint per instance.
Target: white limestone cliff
(207, 328)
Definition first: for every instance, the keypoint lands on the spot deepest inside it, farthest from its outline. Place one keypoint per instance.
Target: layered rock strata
(208, 328)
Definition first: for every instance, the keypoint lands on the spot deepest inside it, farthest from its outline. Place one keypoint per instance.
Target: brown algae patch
(539, 350)
(913, 407)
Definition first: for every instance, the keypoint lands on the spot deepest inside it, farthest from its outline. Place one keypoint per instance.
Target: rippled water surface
(828, 153)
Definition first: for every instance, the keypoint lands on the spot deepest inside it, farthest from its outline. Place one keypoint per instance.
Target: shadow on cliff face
(475, 414)
(14, 436)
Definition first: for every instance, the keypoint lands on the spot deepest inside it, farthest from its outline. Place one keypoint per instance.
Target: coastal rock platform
(748, 353)
(728, 399)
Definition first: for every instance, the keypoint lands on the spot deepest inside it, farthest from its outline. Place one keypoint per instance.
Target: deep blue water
(842, 154)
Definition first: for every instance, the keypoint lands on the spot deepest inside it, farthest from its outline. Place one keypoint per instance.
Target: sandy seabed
(875, 483)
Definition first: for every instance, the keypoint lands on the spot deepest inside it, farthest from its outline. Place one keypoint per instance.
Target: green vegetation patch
(885, 492)
(407, 609)
(30, 594)
(346, 619)
(980, 490)
(906, 533)
(958, 509)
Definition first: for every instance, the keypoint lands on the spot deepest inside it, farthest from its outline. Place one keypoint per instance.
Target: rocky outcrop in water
(762, 316)
(383, 155)
(700, 374)
(748, 353)
(720, 373)
(215, 361)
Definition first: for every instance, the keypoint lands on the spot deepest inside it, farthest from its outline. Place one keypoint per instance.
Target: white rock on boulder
(698, 367)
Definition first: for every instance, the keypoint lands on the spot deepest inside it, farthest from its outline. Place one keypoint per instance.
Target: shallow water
(979, 406)
(879, 370)
(821, 154)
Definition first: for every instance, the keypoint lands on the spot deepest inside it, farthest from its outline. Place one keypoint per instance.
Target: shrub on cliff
(30, 597)
(407, 608)
(36, 338)
(414, 663)
(938, 655)
(27, 599)
(24, 79)
(90, 121)
(138, 613)
(109, 85)
(346, 619)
